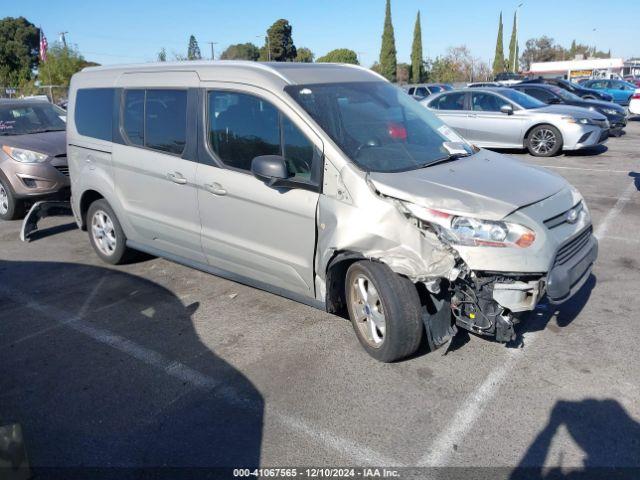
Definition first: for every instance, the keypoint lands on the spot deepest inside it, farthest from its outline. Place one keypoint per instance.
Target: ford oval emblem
(572, 216)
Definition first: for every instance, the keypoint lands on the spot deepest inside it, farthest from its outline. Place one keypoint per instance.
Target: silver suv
(326, 184)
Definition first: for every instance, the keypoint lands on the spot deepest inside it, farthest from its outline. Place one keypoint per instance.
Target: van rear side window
(94, 113)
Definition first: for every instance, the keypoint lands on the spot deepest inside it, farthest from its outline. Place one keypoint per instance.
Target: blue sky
(117, 31)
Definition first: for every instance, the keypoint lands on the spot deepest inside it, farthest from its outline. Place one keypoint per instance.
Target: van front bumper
(568, 275)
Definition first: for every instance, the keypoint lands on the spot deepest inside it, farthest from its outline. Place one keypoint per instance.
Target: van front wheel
(385, 311)
(105, 233)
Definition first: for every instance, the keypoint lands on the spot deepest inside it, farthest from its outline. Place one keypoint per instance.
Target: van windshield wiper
(449, 158)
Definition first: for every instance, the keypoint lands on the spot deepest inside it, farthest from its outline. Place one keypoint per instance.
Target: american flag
(43, 46)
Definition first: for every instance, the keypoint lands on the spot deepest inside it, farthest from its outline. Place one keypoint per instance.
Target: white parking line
(463, 420)
(615, 211)
(602, 170)
(359, 454)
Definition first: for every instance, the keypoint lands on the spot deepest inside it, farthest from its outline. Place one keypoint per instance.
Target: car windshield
(25, 118)
(564, 94)
(376, 125)
(522, 99)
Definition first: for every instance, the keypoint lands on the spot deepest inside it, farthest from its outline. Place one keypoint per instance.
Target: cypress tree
(498, 60)
(513, 46)
(193, 52)
(388, 60)
(417, 68)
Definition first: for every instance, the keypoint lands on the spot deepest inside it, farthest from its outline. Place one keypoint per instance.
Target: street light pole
(515, 56)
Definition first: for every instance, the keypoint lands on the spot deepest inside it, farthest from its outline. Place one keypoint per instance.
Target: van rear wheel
(385, 311)
(106, 235)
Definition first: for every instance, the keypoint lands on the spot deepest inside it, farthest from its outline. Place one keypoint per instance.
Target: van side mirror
(506, 109)
(270, 168)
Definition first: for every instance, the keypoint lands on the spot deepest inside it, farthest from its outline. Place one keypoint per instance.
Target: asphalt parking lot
(155, 364)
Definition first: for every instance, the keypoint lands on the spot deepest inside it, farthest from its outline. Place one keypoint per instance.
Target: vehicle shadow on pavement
(604, 431)
(636, 179)
(51, 231)
(586, 152)
(564, 314)
(107, 376)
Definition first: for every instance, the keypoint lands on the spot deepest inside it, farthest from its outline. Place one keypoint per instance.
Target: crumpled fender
(374, 227)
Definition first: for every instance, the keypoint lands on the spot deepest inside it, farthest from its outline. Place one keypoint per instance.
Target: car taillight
(636, 96)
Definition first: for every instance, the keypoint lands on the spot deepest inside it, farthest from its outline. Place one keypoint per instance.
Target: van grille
(572, 247)
(63, 169)
(561, 218)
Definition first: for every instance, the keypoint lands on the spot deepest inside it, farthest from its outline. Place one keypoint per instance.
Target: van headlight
(473, 232)
(24, 156)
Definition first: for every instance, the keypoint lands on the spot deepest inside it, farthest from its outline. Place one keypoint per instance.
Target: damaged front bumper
(488, 302)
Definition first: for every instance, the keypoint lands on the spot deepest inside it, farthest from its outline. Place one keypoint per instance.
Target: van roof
(291, 73)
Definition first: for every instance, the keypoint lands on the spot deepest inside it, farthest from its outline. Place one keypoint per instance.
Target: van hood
(484, 185)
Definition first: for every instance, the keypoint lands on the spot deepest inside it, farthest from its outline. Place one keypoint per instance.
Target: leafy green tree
(278, 45)
(18, 50)
(498, 60)
(193, 52)
(573, 50)
(388, 59)
(304, 55)
(340, 55)
(513, 46)
(417, 63)
(543, 49)
(241, 51)
(62, 62)
(162, 55)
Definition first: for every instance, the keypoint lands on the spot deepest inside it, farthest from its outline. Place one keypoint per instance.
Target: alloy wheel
(103, 232)
(367, 310)
(4, 200)
(543, 141)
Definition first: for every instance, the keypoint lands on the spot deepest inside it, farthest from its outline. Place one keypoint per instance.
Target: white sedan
(634, 104)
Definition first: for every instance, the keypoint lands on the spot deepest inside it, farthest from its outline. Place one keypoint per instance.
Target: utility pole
(63, 39)
(212, 51)
(268, 45)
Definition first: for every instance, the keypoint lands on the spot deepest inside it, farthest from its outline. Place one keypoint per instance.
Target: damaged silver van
(326, 184)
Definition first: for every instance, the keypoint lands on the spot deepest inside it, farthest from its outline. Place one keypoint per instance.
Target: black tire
(11, 207)
(540, 134)
(400, 304)
(120, 253)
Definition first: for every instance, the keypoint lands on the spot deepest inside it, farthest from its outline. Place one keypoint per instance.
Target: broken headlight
(458, 230)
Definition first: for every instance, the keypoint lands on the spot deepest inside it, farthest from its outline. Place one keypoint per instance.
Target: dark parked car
(579, 90)
(33, 158)
(550, 94)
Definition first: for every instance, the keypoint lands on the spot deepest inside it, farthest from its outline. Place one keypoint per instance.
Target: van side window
(242, 127)
(166, 120)
(94, 112)
(299, 152)
(133, 116)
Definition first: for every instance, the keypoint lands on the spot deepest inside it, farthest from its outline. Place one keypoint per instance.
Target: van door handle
(177, 177)
(215, 188)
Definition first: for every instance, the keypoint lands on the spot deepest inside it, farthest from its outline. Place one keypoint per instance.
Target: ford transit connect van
(326, 184)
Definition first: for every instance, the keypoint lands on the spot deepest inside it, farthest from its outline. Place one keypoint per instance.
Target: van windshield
(377, 125)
